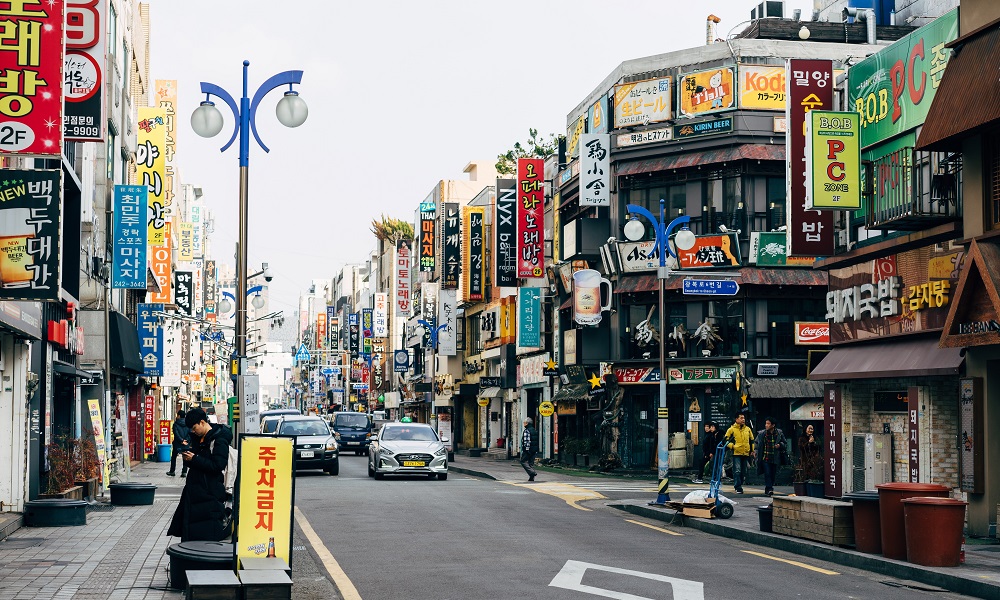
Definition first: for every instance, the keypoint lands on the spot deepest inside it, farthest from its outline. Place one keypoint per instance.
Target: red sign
(711, 251)
(812, 334)
(913, 437)
(31, 59)
(164, 431)
(530, 217)
(637, 375)
(148, 438)
(833, 424)
(810, 87)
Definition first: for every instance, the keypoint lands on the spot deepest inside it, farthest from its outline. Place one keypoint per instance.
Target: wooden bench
(817, 519)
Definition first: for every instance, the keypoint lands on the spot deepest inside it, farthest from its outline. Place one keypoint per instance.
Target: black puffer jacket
(200, 510)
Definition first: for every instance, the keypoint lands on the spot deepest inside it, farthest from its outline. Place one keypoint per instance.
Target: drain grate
(20, 543)
(100, 507)
(913, 585)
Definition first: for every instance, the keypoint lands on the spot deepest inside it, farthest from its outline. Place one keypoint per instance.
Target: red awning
(706, 157)
(647, 282)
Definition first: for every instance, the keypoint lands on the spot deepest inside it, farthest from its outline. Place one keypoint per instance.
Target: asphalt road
(468, 539)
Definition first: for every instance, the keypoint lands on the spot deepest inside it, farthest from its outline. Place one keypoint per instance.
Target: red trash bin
(890, 496)
(867, 525)
(934, 530)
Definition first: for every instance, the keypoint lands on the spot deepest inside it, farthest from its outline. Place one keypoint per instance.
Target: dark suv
(353, 430)
(315, 446)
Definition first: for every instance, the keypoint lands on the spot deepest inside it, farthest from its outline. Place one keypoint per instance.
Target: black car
(353, 430)
(315, 446)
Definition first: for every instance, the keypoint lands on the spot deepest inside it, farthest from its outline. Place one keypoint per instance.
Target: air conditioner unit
(872, 460)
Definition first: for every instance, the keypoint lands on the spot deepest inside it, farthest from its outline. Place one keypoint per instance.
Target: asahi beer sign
(637, 257)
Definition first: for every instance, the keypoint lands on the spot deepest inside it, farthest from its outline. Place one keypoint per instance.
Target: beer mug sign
(587, 305)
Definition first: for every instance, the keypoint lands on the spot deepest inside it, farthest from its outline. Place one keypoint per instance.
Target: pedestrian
(708, 445)
(740, 438)
(201, 510)
(180, 443)
(529, 448)
(771, 446)
(809, 458)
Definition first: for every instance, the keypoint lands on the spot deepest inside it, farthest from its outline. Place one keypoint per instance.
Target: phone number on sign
(83, 131)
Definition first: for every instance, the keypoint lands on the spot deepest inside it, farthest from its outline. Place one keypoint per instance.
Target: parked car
(315, 445)
(353, 430)
(279, 411)
(269, 423)
(408, 449)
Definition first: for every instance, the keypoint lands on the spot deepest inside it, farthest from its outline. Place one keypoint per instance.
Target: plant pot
(73, 493)
(475, 452)
(814, 489)
(800, 488)
(89, 487)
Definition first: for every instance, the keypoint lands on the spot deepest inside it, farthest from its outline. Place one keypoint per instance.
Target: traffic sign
(327, 371)
(711, 287)
(302, 354)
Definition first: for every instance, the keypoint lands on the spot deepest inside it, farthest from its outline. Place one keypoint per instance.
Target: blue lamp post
(434, 332)
(635, 230)
(207, 122)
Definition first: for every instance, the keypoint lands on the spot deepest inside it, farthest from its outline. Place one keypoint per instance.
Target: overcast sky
(401, 94)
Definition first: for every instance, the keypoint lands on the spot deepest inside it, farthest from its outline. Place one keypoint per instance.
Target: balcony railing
(909, 190)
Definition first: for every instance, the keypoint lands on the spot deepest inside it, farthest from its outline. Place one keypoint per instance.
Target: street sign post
(711, 287)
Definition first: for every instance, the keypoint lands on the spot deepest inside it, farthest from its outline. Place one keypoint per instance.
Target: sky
(401, 94)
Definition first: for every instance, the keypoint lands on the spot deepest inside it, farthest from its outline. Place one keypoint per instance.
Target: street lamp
(634, 230)
(433, 331)
(258, 301)
(206, 121)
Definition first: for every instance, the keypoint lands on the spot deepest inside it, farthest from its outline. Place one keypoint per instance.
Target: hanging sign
(473, 275)
(530, 217)
(833, 160)
(30, 234)
(427, 236)
(402, 278)
(595, 169)
(505, 226)
(150, 339)
(83, 68)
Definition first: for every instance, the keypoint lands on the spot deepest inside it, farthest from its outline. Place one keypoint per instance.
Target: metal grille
(992, 152)
(422, 457)
(858, 472)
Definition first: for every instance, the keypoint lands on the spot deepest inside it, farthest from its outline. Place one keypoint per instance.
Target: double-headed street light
(685, 239)
(207, 122)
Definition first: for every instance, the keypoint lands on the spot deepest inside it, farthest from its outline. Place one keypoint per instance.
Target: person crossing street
(529, 448)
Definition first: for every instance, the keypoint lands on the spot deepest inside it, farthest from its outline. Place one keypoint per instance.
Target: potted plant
(70, 461)
(88, 467)
(799, 480)
(814, 488)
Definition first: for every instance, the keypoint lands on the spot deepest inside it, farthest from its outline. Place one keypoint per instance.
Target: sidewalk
(979, 576)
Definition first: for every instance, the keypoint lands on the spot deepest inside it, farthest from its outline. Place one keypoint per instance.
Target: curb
(472, 472)
(847, 558)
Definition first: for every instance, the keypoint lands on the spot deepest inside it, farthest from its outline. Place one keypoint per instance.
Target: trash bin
(132, 494)
(766, 516)
(890, 505)
(867, 525)
(163, 452)
(934, 530)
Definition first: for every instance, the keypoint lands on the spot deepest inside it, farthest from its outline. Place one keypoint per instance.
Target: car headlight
(331, 444)
(441, 452)
(385, 451)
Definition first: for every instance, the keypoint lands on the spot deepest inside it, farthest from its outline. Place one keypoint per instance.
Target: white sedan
(407, 449)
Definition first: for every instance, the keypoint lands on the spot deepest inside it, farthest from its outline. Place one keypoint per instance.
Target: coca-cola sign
(812, 334)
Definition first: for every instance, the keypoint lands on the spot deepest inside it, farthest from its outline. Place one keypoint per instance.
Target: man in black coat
(529, 448)
(181, 433)
(200, 512)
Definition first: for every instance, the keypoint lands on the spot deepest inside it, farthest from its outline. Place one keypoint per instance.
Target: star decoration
(595, 381)
(50, 123)
(551, 365)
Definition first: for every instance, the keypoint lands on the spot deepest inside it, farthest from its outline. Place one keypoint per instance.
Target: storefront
(534, 389)
(20, 329)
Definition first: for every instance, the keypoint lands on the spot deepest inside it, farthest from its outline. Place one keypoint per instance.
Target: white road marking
(571, 578)
(340, 579)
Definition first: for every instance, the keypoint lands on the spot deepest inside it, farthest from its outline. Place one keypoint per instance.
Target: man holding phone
(201, 510)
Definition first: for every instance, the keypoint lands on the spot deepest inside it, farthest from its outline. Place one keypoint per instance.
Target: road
(468, 538)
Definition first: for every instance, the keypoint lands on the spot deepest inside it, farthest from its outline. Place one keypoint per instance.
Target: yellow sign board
(707, 91)
(151, 164)
(264, 521)
(98, 424)
(762, 87)
(484, 402)
(833, 160)
(546, 409)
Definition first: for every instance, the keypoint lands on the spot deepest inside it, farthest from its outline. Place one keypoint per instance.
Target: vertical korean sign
(452, 246)
(185, 242)
(834, 433)
(332, 328)
(913, 433)
(354, 324)
(183, 282)
(162, 265)
(211, 290)
(128, 269)
(149, 425)
(447, 311)
(151, 163)
(150, 339)
(166, 99)
(529, 316)
(402, 278)
(595, 169)
(380, 316)
(171, 354)
(83, 67)
(30, 230)
(426, 236)
(366, 330)
(320, 330)
(810, 87)
(31, 59)
(505, 226)
(472, 242)
(264, 520)
(531, 216)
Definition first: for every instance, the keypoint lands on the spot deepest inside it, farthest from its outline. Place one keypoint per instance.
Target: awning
(572, 392)
(124, 344)
(908, 358)
(706, 157)
(647, 282)
(968, 98)
(65, 368)
(783, 387)
(490, 392)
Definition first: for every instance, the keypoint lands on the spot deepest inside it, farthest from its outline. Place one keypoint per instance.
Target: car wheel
(442, 476)
(335, 469)
(371, 471)
(379, 475)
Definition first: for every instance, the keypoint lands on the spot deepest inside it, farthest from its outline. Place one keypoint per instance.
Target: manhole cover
(20, 543)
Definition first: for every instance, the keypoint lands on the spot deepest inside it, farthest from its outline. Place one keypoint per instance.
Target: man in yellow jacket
(741, 443)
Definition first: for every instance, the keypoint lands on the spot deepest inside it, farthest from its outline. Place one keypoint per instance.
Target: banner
(531, 217)
(643, 102)
(162, 266)
(186, 355)
(320, 330)
(597, 116)
(705, 92)
(211, 286)
(150, 339)
(332, 328)
(128, 268)
(197, 244)
(150, 158)
(83, 71)
(148, 425)
(810, 87)
(452, 246)
(447, 315)
(402, 278)
(185, 242)
(505, 227)
(30, 234)
(380, 316)
(762, 87)
(595, 169)
(354, 322)
(97, 422)
(366, 331)
(473, 277)
(183, 284)
(165, 91)
(264, 520)
(427, 236)
(833, 160)
(529, 317)
(31, 97)
(171, 354)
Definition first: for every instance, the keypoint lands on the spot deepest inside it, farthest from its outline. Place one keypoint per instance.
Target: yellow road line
(794, 562)
(564, 491)
(340, 579)
(654, 527)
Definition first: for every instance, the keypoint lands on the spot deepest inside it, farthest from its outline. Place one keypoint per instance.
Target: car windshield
(409, 434)
(352, 421)
(304, 428)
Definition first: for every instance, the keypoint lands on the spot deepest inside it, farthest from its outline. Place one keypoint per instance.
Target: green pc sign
(833, 160)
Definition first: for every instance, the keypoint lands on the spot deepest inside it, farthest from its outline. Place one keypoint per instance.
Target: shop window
(775, 202)
(781, 317)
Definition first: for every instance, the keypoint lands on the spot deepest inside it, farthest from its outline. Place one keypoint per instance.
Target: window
(111, 154)
(991, 159)
(112, 31)
(473, 335)
(775, 202)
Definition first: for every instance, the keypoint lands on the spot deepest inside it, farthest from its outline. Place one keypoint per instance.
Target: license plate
(413, 463)
(306, 454)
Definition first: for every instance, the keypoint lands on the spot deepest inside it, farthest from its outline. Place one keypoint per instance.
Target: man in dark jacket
(708, 445)
(529, 448)
(771, 447)
(181, 433)
(200, 512)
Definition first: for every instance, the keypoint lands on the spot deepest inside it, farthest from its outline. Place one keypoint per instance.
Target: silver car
(407, 449)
